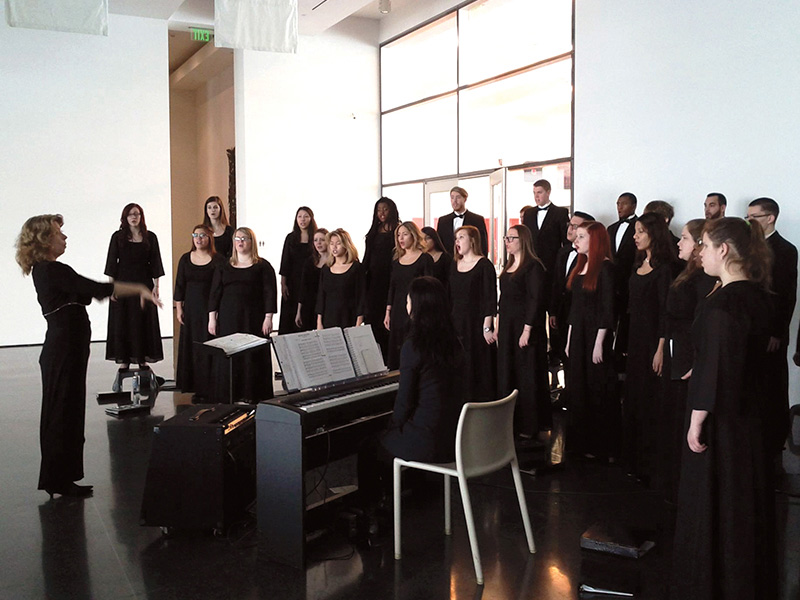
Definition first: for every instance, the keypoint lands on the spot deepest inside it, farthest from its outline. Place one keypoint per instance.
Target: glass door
(498, 218)
(437, 200)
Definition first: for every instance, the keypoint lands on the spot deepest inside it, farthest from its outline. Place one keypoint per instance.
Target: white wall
(215, 134)
(307, 133)
(83, 131)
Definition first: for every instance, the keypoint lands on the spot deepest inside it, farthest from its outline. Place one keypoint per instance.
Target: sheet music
(236, 342)
(335, 349)
(313, 358)
(364, 350)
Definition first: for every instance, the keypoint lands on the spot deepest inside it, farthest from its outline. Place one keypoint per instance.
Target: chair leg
(396, 486)
(523, 506)
(473, 538)
(448, 529)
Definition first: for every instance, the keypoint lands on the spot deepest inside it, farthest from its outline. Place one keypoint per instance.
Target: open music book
(315, 358)
(236, 342)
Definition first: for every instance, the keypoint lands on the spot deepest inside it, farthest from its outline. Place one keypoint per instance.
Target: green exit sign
(201, 35)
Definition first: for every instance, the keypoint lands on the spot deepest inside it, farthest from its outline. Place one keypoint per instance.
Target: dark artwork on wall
(232, 186)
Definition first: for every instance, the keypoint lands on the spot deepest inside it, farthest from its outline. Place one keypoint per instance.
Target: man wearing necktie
(447, 224)
(548, 225)
(623, 252)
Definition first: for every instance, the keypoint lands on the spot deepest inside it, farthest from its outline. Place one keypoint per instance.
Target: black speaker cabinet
(202, 472)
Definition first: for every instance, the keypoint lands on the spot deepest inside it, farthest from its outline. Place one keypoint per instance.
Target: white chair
(484, 444)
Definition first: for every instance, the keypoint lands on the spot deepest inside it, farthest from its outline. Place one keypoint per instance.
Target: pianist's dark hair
(431, 327)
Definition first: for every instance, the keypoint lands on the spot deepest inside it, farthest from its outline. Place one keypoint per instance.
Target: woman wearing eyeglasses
(192, 289)
(472, 285)
(520, 334)
(244, 298)
(134, 334)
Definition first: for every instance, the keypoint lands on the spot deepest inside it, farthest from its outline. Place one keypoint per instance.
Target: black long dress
(294, 256)
(378, 272)
(401, 278)
(309, 288)
(242, 298)
(647, 299)
(725, 534)
(592, 390)
(134, 334)
(682, 303)
(340, 299)
(473, 297)
(223, 244)
(62, 294)
(193, 287)
(523, 300)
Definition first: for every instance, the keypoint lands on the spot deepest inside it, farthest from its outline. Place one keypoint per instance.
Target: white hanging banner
(74, 16)
(269, 25)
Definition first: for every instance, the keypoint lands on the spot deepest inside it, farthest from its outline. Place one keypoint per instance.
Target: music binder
(313, 359)
(236, 342)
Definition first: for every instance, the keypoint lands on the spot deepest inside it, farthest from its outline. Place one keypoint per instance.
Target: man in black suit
(715, 205)
(548, 225)
(623, 252)
(460, 216)
(560, 298)
(784, 295)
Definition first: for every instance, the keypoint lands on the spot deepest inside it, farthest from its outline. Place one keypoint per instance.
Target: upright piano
(304, 431)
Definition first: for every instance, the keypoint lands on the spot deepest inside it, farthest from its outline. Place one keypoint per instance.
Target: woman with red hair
(591, 379)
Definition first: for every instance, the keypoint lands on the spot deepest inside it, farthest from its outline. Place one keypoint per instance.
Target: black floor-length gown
(193, 288)
(725, 537)
(441, 267)
(242, 298)
(592, 388)
(682, 303)
(473, 297)
(62, 294)
(647, 301)
(523, 300)
(378, 271)
(134, 333)
(223, 244)
(340, 299)
(309, 288)
(402, 276)
(294, 256)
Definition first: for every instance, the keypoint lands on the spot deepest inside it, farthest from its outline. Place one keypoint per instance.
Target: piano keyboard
(324, 403)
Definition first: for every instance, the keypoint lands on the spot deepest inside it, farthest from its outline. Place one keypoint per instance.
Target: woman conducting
(192, 289)
(63, 294)
(521, 337)
(472, 286)
(725, 531)
(134, 335)
(243, 300)
(591, 378)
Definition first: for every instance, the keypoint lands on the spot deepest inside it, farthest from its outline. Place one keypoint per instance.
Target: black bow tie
(458, 216)
(541, 208)
(628, 220)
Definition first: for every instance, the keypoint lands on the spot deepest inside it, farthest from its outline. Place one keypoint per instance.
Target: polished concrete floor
(96, 548)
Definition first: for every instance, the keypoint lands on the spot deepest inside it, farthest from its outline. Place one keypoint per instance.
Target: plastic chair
(484, 444)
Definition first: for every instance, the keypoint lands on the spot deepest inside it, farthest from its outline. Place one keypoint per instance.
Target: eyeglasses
(199, 235)
(750, 217)
(511, 238)
(241, 239)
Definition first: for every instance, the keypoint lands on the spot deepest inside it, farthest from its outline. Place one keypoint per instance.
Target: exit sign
(201, 35)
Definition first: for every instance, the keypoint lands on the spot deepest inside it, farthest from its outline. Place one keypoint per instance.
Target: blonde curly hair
(33, 242)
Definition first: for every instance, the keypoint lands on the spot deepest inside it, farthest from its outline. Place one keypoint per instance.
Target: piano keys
(303, 431)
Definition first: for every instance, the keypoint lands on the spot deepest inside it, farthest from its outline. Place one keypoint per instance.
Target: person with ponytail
(591, 377)
(684, 296)
(725, 532)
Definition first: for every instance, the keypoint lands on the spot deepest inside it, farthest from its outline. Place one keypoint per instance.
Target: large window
(485, 86)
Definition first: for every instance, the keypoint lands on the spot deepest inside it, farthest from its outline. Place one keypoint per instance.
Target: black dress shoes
(70, 489)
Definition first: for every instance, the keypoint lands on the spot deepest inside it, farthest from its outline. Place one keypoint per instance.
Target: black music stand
(230, 352)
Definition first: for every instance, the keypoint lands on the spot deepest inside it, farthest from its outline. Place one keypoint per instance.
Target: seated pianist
(428, 404)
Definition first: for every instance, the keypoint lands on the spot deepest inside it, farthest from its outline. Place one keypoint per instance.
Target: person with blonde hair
(410, 261)
(341, 296)
(473, 298)
(244, 298)
(63, 295)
